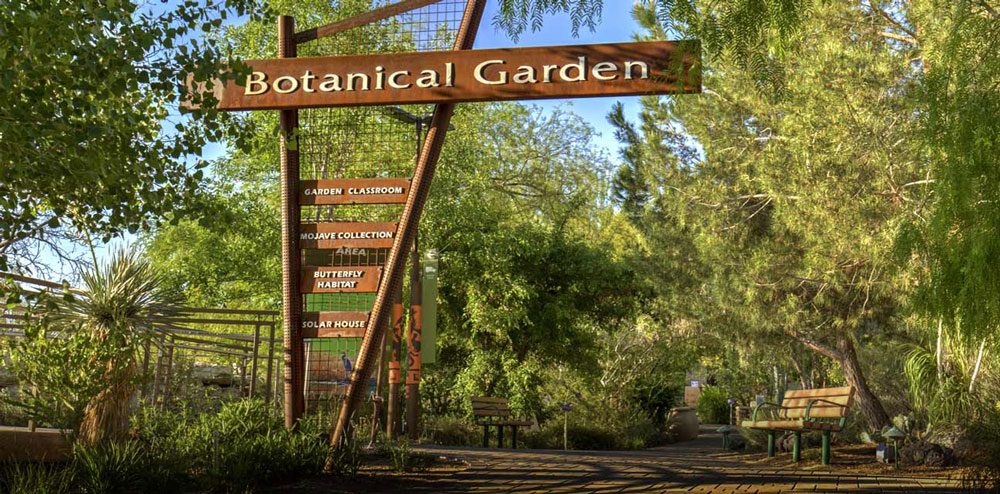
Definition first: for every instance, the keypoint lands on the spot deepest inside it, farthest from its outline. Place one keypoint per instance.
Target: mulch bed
(853, 459)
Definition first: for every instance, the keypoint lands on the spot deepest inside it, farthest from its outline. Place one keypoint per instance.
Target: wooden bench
(823, 410)
(495, 412)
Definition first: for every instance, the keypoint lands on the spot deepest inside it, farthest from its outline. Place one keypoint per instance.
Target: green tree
(799, 195)
(90, 136)
(81, 352)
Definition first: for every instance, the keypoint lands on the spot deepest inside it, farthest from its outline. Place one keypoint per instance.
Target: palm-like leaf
(121, 302)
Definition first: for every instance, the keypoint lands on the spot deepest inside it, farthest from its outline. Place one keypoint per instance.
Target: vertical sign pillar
(395, 377)
(413, 348)
(291, 306)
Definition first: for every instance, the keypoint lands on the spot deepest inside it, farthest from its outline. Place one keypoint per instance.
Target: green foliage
(80, 102)
(514, 16)
(713, 406)
(57, 360)
(36, 478)
(79, 348)
(404, 459)
(452, 431)
(241, 447)
(114, 468)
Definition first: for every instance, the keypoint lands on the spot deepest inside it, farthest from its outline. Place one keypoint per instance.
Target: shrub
(452, 431)
(241, 447)
(35, 478)
(580, 437)
(112, 468)
(756, 439)
(713, 406)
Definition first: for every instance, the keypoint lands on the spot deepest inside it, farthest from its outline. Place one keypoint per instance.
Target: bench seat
(495, 412)
(792, 425)
(804, 410)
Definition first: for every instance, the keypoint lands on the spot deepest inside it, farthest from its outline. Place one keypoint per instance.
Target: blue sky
(617, 25)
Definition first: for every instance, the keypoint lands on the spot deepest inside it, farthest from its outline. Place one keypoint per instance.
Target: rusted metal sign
(334, 324)
(340, 279)
(354, 191)
(656, 67)
(342, 234)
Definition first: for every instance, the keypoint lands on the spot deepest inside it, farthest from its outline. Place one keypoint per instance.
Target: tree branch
(883, 14)
(899, 37)
(815, 345)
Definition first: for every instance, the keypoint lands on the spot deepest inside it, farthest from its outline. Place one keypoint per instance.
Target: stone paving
(698, 466)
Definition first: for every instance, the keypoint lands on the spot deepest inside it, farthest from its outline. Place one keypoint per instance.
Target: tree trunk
(871, 407)
(106, 416)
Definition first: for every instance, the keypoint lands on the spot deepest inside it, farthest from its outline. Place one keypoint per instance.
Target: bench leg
(513, 437)
(500, 436)
(486, 436)
(797, 447)
(770, 444)
(826, 447)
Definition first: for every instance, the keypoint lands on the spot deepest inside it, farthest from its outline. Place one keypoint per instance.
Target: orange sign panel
(340, 279)
(619, 69)
(344, 234)
(334, 324)
(354, 191)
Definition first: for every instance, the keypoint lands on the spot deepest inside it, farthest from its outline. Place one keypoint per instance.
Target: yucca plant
(119, 304)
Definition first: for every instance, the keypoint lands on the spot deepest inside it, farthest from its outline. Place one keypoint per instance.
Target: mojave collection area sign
(658, 67)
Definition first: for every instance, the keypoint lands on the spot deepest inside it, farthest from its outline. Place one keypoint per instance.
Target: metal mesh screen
(362, 142)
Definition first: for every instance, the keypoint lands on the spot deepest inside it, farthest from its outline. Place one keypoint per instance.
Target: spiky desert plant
(120, 303)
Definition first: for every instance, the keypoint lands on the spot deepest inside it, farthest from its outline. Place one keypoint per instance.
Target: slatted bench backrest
(486, 407)
(834, 405)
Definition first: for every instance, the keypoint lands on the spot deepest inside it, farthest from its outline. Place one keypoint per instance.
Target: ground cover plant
(237, 449)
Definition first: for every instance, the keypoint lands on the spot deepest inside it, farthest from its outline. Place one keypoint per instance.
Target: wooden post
(253, 367)
(290, 254)
(413, 349)
(395, 377)
(145, 372)
(243, 376)
(170, 370)
(377, 397)
(157, 373)
(392, 277)
(277, 375)
(270, 362)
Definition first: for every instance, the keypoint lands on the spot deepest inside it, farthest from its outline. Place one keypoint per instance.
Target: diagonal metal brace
(392, 278)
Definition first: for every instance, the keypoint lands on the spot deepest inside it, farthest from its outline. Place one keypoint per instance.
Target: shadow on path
(695, 466)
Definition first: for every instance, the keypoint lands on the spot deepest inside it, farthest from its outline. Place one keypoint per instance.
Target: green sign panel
(428, 346)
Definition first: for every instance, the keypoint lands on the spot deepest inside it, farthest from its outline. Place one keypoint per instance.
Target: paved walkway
(697, 466)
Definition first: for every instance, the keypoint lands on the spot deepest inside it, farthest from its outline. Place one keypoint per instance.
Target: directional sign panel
(354, 191)
(340, 280)
(343, 234)
(334, 324)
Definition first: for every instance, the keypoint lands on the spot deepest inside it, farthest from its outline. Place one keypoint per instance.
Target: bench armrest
(820, 400)
(762, 405)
